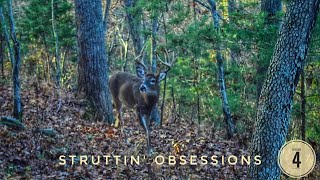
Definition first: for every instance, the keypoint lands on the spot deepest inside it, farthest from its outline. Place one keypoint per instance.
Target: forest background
(221, 60)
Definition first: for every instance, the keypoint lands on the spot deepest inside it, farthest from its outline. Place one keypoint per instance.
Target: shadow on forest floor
(32, 155)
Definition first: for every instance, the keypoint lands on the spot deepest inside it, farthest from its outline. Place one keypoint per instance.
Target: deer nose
(143, 88)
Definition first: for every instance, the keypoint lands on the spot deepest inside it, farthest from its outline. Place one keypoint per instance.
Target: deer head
(140, 92)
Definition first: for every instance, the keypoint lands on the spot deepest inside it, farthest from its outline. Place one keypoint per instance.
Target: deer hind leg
(118, 106)
(119, 120)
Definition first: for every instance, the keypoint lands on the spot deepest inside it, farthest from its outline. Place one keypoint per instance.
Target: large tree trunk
(275, 103)
(225, 105)
(92, 67)
(134, 22)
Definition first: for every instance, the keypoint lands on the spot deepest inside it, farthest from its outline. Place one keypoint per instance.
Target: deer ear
(161, 76)
(140, 71)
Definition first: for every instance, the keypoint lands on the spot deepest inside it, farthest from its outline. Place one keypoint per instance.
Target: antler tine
(140, 54)
(168, 64)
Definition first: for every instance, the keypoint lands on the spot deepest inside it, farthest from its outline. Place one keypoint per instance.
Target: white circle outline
(314, 154)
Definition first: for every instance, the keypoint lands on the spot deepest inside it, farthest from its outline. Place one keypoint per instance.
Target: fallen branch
(203, 4)
(47, 132)
(11, 122)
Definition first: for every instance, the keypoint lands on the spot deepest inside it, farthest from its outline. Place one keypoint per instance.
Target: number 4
(296, 159)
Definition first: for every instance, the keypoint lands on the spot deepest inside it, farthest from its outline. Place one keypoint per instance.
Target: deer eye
(153, 81)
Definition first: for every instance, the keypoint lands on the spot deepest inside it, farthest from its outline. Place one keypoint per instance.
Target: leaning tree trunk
(17, 108)
(225, 105)
(275, 103)
(92, 67)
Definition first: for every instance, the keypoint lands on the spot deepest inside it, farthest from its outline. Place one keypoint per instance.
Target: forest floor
(28, 154)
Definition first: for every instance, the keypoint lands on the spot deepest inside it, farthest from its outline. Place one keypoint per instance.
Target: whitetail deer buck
(139, 92)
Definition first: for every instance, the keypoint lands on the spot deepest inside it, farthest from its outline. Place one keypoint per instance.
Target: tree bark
(275, 102)
(225, 105)
(92, 67)
(17, 108)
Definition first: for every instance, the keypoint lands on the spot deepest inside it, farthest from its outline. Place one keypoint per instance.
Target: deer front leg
(145, 123)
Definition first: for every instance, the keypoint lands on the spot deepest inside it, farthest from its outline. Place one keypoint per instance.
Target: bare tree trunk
(225, 105)
(163, 101)
(57, 55)
(271, 7)
(106, 15)
(154, 43)
(198, 106)
(165, 80)
(6, 35)
(155, 112)
(231, 10)
(17, 108)
(275, 102)
(56, 41)
(134, 23)
(173, 110)
(231, 6)
(2, 54)
(92, 67)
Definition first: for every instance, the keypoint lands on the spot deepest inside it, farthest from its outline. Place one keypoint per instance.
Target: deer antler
(140, 54)
(168, 63)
